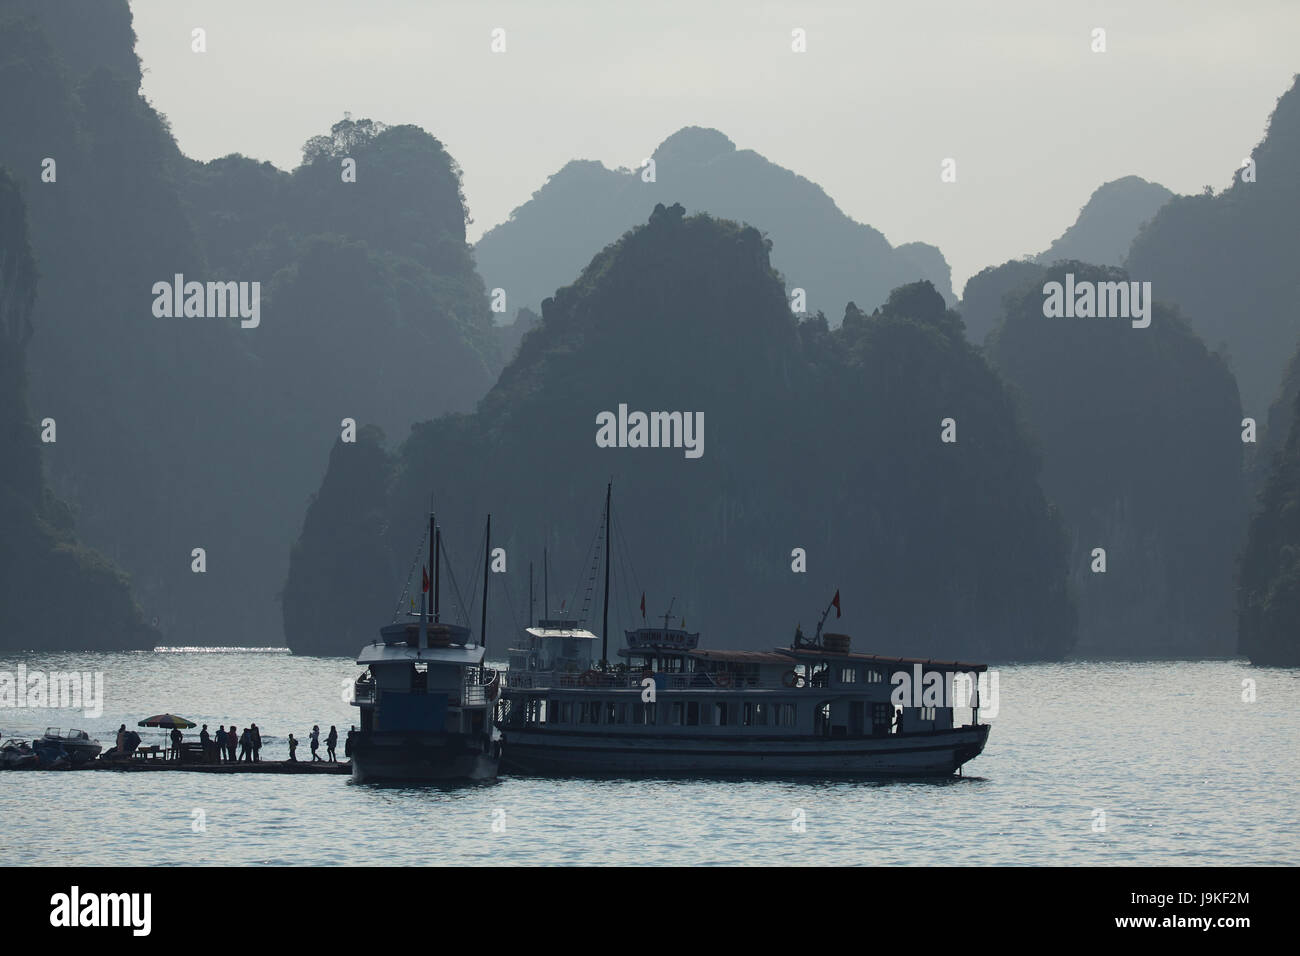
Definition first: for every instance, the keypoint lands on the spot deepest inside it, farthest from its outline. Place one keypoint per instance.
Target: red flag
(835, 602)
(643, 605)
(425, 572)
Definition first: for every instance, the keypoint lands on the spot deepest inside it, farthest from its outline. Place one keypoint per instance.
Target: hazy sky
(886, 90)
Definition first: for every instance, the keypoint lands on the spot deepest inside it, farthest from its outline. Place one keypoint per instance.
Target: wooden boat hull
(546, 752)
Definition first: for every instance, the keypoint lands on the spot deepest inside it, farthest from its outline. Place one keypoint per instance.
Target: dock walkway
(260, 766)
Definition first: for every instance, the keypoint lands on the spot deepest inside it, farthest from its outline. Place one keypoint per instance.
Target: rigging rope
(419, 550)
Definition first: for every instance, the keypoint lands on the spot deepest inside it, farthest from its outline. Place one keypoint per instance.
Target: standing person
(256, 740)
(331, 744)
(232, 741)
(347, 743)
(121, 739)
(293, 749)
(176, 737)
(315, 742)
(246, 746)
(205, 740)
(221, 744)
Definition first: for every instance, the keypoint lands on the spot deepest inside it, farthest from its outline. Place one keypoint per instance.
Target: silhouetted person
(293, 749)
(221, 744)
(315, 742)
(205, 741)
(347, 742)
(331, 742)
(255, 738)
(232, 741)
(176, 737)
(121, 739)
(898, 723)
(246, 746)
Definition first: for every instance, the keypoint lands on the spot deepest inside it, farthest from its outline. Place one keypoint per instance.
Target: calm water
(1184, 770)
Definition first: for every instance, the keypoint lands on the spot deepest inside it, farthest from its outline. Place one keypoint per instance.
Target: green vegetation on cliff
(53, 590)
(829, 441)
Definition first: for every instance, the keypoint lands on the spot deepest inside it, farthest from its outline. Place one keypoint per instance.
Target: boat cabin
(556, 649)
(816, 688)
(426, 677)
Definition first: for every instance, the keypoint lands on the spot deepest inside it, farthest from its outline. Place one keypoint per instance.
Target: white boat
(426, 699)
(669, 707)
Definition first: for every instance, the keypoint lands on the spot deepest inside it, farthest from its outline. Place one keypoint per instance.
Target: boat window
(720, 711)
(927, 713)
(848, 675)
(693, 713)
(677, 713)
(706, 713)
(553, 709)
(609, 712)
(748, 718)
(622, 713)
(760, 714)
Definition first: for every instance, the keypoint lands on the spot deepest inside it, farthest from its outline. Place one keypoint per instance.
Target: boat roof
(784, 655)
(819, 653)
(578, 632)
(740, 657)
(465, 655)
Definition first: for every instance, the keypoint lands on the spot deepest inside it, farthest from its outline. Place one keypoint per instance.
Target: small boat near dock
(426, 697)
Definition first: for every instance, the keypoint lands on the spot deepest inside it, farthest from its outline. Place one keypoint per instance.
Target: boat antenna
(531, 620)
(487, 564)
(604, 627)
(669, 612)
(546, 587)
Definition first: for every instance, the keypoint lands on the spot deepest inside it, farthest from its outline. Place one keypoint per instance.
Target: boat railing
(528, 680)
(363, 692)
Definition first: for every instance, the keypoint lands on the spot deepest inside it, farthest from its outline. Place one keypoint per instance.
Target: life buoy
(723, 679)
(791, 679)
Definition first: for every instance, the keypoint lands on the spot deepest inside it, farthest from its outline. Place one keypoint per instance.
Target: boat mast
(487, 563)
(604, 627)
(546, 587)
(424, 593)
(437, 564)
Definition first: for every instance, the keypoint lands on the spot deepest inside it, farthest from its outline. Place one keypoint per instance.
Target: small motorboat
(78, 746)
(17, 755)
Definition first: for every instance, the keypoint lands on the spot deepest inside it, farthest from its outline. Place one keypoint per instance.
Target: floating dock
(260, 766)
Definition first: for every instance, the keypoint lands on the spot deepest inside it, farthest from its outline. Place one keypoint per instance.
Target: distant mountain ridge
(585, 206)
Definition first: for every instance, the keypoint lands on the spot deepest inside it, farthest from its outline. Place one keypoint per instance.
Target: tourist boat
(426, 697)
(670, 707)
(78, 745)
